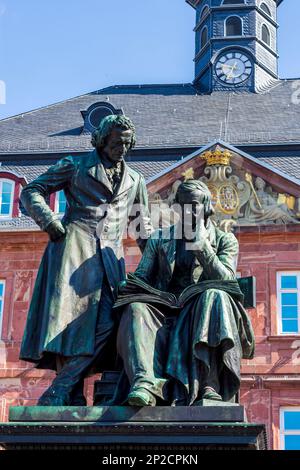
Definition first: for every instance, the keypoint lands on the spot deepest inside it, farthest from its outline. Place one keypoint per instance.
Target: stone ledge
(97, 436)
(214, 425)
(210, 411)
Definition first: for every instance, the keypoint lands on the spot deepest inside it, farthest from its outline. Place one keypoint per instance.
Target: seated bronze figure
(180, 354)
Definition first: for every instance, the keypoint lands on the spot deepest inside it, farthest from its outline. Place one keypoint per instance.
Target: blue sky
(54, 50)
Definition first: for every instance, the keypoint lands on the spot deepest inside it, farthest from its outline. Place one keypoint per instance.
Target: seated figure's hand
(201, 236)
(55, 230)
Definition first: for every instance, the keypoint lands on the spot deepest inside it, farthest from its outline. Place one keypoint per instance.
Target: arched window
(60, 202)
(233, 26)
(233, 2)
(204, 11)
(265, 34)
(265, 8)
(7, 188)
(203, 37)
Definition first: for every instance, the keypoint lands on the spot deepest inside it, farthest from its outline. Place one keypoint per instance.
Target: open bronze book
(135, 289)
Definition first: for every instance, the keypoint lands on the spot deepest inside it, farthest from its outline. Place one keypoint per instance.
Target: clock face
(233, 68)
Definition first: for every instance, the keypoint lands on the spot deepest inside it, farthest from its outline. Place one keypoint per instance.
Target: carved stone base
(115, 428)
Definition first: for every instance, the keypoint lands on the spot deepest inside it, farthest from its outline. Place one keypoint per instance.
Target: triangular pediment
(245, 190)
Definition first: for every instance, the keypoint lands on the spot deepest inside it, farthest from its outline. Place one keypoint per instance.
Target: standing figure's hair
(106, 126)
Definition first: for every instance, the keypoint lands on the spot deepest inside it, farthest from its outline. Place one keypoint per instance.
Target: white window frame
(12, 182)
(56, 205)
(225, 26)
(283, 432)
(2, 282)
(279, 291)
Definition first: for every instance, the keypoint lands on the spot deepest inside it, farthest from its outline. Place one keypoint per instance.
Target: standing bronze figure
(70, 326)
(182, 355)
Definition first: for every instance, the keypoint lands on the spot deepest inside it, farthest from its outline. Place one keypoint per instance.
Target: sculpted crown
(217, 157)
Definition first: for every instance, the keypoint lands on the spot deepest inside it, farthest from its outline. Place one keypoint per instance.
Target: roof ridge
(147, 85)
(97, 92)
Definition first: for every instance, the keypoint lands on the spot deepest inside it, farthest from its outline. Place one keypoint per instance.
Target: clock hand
(225, 66)
(233, 67)
(230, 74)
(229, 70)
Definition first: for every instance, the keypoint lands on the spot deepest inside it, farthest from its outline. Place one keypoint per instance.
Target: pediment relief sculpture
(239, 197)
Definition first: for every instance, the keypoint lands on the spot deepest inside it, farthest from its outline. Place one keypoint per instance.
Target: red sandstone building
(242, 140)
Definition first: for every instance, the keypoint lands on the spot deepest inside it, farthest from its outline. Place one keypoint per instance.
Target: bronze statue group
(167, 356)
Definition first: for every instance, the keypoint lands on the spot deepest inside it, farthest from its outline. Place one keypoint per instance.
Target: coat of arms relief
(239, 197)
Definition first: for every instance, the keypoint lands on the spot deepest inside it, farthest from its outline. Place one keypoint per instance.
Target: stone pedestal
(211, 426)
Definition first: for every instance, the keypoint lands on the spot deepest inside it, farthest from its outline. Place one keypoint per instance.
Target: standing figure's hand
(55, 230)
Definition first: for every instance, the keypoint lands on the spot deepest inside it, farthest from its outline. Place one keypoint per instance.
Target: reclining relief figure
(180, 353)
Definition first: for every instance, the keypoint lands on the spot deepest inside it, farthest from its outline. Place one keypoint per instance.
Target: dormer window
(7, 188)
(233, 26)
(95, 113)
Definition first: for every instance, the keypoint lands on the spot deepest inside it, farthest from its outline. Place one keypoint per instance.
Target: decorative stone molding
(239, 196)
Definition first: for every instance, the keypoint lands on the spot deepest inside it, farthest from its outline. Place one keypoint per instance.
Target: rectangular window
(6, 198)
(61, 202)
(290, 428)
(2, 288)
(288, 301)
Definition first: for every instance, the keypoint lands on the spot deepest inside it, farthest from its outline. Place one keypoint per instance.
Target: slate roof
(30, 169)
(165, 116)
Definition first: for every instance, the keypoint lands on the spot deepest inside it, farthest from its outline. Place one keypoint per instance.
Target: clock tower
(236, 45)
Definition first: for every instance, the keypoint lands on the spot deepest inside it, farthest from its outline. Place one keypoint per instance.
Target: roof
(288, 165)
(165, 116)
(31, 169)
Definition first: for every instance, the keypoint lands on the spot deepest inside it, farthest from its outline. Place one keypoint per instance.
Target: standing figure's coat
(63, 312)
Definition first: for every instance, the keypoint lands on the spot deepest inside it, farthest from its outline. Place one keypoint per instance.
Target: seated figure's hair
(205, 198)
(107, 125)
